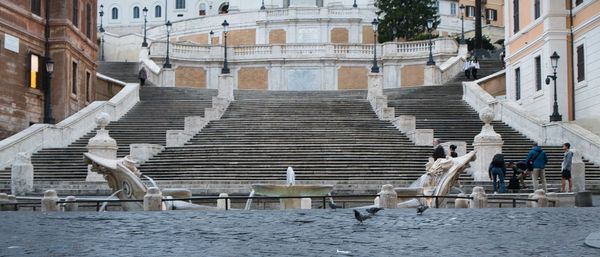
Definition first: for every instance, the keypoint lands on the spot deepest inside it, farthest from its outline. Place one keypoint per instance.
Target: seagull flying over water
(358, 216)
(421, 209)
(374, 210)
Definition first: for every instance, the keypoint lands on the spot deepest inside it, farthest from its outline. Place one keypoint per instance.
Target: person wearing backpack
(536, 163)
(496, 172)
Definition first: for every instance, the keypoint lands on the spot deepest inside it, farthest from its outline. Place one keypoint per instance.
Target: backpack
(530, 161)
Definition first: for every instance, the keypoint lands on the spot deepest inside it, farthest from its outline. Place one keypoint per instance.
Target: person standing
(474, 68)
(537, 160)
(453, 153)
(142, 76)
(467, 68)
(496, 172)
(566, 167)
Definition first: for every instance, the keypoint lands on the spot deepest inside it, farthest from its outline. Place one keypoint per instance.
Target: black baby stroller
(514, 184)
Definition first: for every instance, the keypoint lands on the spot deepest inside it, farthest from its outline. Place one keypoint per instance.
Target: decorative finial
(102, 120)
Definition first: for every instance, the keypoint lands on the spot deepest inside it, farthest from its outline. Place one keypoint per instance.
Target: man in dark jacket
(539, 159)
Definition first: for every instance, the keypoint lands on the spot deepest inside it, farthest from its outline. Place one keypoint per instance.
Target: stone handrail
(62, 134)
(541, 131)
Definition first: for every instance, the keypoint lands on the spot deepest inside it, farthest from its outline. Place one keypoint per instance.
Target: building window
(157, 11)
(75, 18)
(453, 9)
(115, 13)
(491, 14)
(578, 2)
(224, 8)
(179, 4)
(88, 21)
(36, 7)
(470, 11)
(536, 9)
(136, 12)
(580, 64)
(88, 86)
(34, 71)
(202, 9)
(516, 16)
(517, 84)
(538, 73)
(74, 78)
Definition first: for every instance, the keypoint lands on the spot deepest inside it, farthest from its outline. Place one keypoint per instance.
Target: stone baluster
(388, 198)
(21, 174)
(101, 145)
(50, 201)
(480, 199)
(153, 200)
(486, 144)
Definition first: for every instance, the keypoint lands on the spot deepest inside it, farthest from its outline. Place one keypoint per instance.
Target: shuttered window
(580, 64)
(517, 84)
(538, 73)
(515, 16)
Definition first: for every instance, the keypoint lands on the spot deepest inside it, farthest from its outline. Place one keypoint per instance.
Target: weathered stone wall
(253, 78)
(277, 36)
(105, 90)
(241, 37)
(367, 35)
(190, 77)
(339, 36)
(412, 75)
(197, 38)
(352, 77)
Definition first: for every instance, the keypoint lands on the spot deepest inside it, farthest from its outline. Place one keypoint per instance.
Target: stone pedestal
(143, 152)
(49, 201)
(577, 172)
(167, 77)
(375, 85)
(21, 174)
(422, 137)
(71, 205)
(463, 51)
(461, 203)
(290, 203)
(193, 124)
(177, 137)
(153, 200)
(432, 75)
(221, 202)
(306, 203)
(388, 198)
(486, 144)
(225, 87)
(583, 199)
(405, 123)
(542, 199)
(101, 145)
(479, 198)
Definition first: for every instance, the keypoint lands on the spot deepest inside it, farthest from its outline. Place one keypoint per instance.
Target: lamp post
(225, 69)
(354, 5)
(375, 68)
(262, 5)
(145, 11)
(554, 60)
(210, 40)
(101, 29)
(167, 64)
(429, 27)
(462, 24)
(47, 93)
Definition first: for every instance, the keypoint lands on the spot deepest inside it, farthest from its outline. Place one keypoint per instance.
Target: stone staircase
(327, 137)
(159, 110)
(123, 71)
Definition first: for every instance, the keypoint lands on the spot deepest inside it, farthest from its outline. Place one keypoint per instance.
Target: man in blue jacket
(539, 159)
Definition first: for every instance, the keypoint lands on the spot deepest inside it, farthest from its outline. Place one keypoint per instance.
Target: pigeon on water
(421, 209)
(358, 216)
(332, 205)
(374, 210)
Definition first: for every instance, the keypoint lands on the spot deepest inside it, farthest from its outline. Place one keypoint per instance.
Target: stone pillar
(101, 145)
(432, 75)
(143, 152)
(3, 202)
(486, 144)
(221, 202)
(153, 199)
(479, 198)
(578, 172)
(306, 203)
(49, 201)
(375, 85)
(167, 77)
(21, 174)
(542, 199)
(72, 205)
(460, 203)
(225, 87)
(388, 198)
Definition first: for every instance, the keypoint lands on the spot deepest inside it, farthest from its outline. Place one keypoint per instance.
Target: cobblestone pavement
(399, 232)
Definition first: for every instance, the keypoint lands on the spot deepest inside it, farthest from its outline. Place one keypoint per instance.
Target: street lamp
(167, 64)
(429, 27)
(225, 69)
(101, 29)
(462, 24)
(375, 68)
(354, 5)
(210, 40)
(47, 93)
(554, 61)
(262, 5)
(145, 11)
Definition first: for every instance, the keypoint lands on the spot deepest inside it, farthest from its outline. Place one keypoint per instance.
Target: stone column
(375, 85)
(479, 198)
(221, 202)
(49, 201)
(542, 199)
(72, 205)
(225, 87)
(388, 198)
(461, 203)
(153, 200)
(577, 172)
(21, 174)
(486, 144)
(101, 145)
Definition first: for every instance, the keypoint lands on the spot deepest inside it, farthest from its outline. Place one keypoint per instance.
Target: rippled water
(439, 232)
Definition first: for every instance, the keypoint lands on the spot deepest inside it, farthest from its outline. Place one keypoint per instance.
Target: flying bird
(421, 209)
(358, 216)
(374, 210)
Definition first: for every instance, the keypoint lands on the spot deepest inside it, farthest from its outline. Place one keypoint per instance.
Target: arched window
(224, 8)
(202, 9)
(157, 11)
(115, 13)
(136, 12)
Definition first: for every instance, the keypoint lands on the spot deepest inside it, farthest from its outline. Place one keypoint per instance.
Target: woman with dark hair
(438, 153)
(496, 172)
